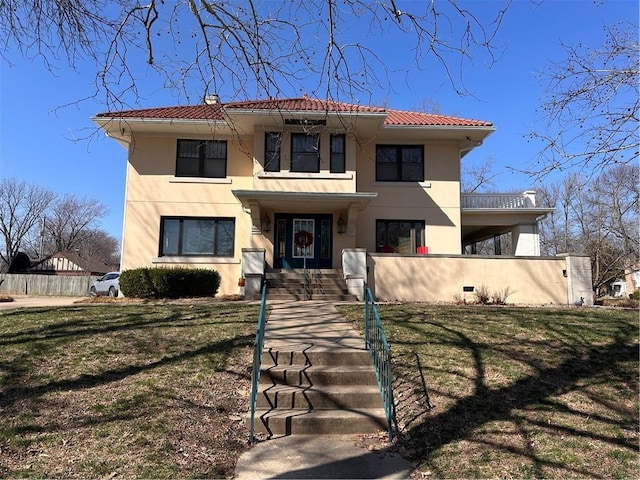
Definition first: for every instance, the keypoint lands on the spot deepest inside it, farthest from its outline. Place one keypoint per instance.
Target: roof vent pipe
(212, 99)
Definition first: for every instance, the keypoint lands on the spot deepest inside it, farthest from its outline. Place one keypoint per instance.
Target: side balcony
(491, 215)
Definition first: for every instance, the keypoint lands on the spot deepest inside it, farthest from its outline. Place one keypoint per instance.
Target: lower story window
(399, 236)
(197, 236)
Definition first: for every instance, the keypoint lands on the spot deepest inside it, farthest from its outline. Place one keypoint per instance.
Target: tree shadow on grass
(572, 354)
(16, 392)
(485, 405)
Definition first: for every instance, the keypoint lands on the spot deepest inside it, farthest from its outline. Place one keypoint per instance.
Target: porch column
(253, 267)
(526, 240)
(354, 269)
(579, 283)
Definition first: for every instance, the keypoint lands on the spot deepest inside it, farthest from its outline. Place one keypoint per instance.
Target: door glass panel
(281, 236)
(325, 239)
(300, 225)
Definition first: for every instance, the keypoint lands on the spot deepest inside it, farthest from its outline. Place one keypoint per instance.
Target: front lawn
(134, 391)
(514, 392)
(141, 391)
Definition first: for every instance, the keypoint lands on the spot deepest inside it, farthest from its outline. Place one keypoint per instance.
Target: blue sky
(43, 131)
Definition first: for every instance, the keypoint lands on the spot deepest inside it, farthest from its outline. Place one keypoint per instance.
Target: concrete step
(300, 271)
(316, 376)
(345, 297)
(328, 285)
(319, 397)
(313, 375)
(344, 357)
(327, 422)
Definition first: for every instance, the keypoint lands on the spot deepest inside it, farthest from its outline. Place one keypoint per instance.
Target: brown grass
(502, 392)
(134, 391)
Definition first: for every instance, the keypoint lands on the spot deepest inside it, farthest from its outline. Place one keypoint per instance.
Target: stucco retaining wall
(442, 278)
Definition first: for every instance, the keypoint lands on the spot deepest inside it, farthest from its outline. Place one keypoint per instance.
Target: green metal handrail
(376, 343)
(257, 360)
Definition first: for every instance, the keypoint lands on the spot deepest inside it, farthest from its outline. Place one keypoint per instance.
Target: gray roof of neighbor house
(71, 262)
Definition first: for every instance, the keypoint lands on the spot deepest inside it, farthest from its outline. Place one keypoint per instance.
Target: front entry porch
(289, 254)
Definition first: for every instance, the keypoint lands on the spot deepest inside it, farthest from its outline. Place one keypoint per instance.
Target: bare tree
(36, 221)
(247, 47)
(598, 218)
(592, 106)
(71, 222)
(99, 246)
(22, 208)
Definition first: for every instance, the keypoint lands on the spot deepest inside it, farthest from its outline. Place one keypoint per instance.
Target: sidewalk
(20, 301)
(315, 456)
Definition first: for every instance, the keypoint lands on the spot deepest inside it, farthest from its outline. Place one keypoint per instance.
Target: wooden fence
(51, 285)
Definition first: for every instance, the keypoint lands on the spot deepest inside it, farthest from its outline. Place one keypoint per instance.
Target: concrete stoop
(325, 391)
(325, 284)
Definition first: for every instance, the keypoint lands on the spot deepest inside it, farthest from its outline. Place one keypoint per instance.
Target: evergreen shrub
(176, 282)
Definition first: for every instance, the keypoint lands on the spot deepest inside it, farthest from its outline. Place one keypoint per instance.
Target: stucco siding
(442, 278)
(436, 201)
(153, 191)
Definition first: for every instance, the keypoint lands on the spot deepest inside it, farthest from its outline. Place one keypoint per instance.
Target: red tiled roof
(398, 117)
(190, 112)
(304, 104)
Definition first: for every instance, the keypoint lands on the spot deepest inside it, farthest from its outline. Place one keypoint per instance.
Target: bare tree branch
(591, 110)
(250, 49)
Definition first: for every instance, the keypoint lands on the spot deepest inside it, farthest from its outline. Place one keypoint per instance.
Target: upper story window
(338, 153)
(201, 158)
(399, 163)
(197, 236)
(272, 144)
(305, 152)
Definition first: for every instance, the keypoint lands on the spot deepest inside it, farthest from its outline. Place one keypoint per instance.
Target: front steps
(324, 392)
(322, 284)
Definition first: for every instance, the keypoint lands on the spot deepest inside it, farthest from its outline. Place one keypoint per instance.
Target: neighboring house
(623, 287)
(65, 263)
(218, 185)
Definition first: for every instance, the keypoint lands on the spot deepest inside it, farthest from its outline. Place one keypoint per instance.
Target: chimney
(212, 99)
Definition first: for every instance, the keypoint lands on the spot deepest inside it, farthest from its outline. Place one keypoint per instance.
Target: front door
(288, 254)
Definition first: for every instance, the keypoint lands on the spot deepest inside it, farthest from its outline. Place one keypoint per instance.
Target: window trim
(398, 162)
(201, 158)
(179, 253)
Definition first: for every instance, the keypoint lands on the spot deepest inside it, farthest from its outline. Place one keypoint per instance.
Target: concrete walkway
(20, 301)
(315, 326)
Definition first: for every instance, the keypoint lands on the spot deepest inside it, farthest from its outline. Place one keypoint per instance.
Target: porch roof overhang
(303, 202)
(481, 223)
(259, 201)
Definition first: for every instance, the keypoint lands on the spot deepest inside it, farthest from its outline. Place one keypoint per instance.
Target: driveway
(20, 301)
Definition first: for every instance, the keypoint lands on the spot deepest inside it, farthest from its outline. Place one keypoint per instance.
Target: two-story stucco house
(375, 191)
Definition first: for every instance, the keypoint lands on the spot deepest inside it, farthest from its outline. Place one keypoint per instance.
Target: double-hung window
(399, 163)
(197, 236)
(305, 152)
(399, 236)
(272, 144)
(201, 158)
(338, 157)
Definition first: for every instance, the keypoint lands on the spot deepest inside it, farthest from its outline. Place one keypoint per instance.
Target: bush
(169, 282)
(635, 295)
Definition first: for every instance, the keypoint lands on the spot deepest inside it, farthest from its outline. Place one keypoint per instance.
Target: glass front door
(302, 238)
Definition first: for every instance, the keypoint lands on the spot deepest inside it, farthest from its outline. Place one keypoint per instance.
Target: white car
(108, 284)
